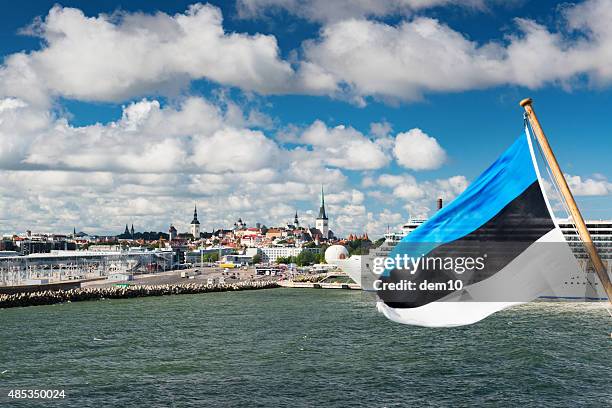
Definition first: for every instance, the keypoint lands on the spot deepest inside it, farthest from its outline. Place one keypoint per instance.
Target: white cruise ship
(583, 285)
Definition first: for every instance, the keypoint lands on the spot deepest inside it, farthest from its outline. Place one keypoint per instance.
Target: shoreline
(50, 297)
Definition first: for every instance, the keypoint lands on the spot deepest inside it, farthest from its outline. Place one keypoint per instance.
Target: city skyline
(193, 227)
(247, 108)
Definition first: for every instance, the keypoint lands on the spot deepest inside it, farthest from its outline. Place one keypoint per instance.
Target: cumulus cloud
(164, 154)
(589, 186)
(150, 165)
(403, 61)
(347, 196)
(380, 129)
(342, 147)
(418, 198)
(417, 151)
(119, 56)
(324, 10)
(421, 55)
(236, 150)
(164, 158)
(126, 55)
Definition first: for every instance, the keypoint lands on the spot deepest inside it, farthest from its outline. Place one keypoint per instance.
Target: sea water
(300, 348)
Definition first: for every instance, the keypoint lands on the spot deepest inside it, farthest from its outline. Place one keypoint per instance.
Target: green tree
(211, 257)
(359, 247)
(284, 260)
(378, 242)
(257, 258)
(306, 258)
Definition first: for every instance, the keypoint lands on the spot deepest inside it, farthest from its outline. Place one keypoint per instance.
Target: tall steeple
(296, 222)
(322, 223)
(322, 214)
(195, 224)
(195, 215)
(132, 231)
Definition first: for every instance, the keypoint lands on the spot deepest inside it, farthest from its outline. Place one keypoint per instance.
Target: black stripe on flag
(518, 225)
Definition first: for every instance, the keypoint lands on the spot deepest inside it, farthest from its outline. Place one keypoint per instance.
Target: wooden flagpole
(585, 236)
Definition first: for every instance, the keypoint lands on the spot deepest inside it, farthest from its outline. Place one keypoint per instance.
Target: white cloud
(99, 177)
(119, 56)
(325, 10)
(193, 137)
(150, 165)
(127, 55)
(346, 196)
(343, 147)
(588, 186)
(380, 129)
(417, 151)
(235, 150)
(421, 55)
(11, 103)
(394, 180)
(419, 198)
(403, 61)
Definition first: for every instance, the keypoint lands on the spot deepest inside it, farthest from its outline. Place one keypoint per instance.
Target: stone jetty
(49, 297)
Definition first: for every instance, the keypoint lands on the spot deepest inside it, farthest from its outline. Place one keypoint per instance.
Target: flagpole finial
(526, 101)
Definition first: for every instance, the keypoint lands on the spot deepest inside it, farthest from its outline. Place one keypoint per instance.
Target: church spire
(322, 214)
(195, 215)
(195, 224)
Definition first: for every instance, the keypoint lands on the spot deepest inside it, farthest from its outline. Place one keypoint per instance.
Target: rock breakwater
(49, 297)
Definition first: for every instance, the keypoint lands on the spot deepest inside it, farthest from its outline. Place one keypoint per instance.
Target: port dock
(318, 285)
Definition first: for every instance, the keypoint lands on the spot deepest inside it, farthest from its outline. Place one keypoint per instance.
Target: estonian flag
(494, 246)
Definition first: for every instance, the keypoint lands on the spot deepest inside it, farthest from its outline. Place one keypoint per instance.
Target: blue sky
(251, 106)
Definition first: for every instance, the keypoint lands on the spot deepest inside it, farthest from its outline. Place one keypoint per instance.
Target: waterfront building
(195, 257)
(270, 254)
(62, 265)
(195, 224)
(237, 259)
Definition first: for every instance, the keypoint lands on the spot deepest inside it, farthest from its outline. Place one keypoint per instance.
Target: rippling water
(291, 347)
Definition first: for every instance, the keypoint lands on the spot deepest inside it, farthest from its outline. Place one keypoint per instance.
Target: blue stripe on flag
(501, 183)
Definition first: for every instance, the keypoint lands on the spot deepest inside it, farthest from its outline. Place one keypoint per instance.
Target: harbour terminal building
(62, 266)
